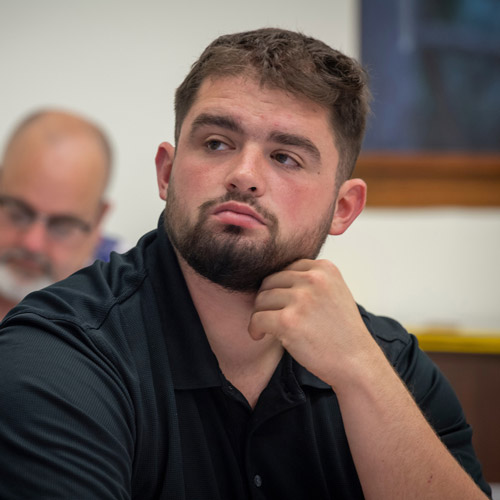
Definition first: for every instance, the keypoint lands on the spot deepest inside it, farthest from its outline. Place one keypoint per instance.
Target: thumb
(255, 328)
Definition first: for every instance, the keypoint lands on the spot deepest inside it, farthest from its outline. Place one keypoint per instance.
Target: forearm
(396, 452)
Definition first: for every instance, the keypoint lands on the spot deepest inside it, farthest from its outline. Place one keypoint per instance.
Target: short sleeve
(66, 422)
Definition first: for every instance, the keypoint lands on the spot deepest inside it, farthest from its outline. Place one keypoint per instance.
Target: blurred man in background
(53, 178)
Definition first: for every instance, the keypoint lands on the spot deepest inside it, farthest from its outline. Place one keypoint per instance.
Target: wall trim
(430, 179)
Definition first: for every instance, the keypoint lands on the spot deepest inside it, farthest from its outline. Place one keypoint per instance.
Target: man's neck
(225, 315)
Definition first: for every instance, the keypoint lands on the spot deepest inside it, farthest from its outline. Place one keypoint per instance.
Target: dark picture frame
(434, 137)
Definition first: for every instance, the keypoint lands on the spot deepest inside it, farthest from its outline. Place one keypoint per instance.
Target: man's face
(49, 213)
(252, 186)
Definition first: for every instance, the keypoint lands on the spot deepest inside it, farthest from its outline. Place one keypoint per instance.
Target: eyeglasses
(61, 228)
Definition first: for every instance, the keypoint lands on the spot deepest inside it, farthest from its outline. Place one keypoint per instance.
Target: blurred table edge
(437, 339)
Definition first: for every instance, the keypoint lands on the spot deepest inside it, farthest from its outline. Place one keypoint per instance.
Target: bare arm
(396, 452)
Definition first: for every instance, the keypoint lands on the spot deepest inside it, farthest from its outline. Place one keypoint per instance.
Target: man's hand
(310, 309)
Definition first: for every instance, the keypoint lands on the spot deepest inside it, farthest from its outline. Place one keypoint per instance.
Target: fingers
(291, 274)
(278, 292)
(296, 292)
(260, 324)
(310, 310)
(279, 323)
(267, 302)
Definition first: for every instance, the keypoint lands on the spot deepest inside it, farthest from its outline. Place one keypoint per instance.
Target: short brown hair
(297, 64)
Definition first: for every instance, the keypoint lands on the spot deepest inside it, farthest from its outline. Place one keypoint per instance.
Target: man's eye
(215, 145)
(19, 214)
(65, 227)
(285, 159)
(62, 230)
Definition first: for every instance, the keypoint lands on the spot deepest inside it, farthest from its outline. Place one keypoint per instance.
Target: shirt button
(257, 480)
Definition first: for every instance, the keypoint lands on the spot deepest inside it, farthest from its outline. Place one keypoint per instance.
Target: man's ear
(103, 211)
(104, 207)
(164, 161)
(350, 202)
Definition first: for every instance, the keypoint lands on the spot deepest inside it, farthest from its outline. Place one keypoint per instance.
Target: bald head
(53, 130)
(54, 174)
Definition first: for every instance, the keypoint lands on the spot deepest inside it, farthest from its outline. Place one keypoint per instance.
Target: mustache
(242, 198)
(23, 254)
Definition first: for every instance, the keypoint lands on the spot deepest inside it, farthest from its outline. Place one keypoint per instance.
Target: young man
(219, 359)
(52, 181)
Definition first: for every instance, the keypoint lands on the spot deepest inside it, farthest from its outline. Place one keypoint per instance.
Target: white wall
(120, 61)
(426, 268)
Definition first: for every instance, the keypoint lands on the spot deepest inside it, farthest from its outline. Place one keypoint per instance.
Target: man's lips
(238, 214)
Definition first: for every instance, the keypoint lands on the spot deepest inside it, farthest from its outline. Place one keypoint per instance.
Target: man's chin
(15, 285)
(25, 270)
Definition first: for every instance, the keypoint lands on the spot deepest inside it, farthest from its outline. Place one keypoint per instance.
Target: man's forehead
(57, 133)
(55, 181)
(221, 92)
(227, 85)
(38, 140)
(217, 98)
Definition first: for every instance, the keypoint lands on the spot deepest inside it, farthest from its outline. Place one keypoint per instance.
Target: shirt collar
(306, 378)
(193, 363)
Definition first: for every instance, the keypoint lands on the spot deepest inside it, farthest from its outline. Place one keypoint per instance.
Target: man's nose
(247, 172)
(34, 237)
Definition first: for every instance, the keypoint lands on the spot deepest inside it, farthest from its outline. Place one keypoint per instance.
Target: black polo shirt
(110, 390)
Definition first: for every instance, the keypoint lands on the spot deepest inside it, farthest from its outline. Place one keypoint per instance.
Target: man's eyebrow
(229, 123)
(296, 140)
(221, 121)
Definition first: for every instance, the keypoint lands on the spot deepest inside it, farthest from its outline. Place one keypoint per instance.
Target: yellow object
(456, 340)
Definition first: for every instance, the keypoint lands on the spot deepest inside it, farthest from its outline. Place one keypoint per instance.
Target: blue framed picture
(434, 68)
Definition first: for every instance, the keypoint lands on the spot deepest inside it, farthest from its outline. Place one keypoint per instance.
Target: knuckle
(288, 319)
(259, 299)
(328, 265)
(303, 296)
(330, 269)
(316, 278)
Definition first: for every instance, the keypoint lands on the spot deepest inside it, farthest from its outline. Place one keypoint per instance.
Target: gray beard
(15, 288)
(225, 258)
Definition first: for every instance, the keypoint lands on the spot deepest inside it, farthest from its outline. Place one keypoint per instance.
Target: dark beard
(234, 266)
(224, 258)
